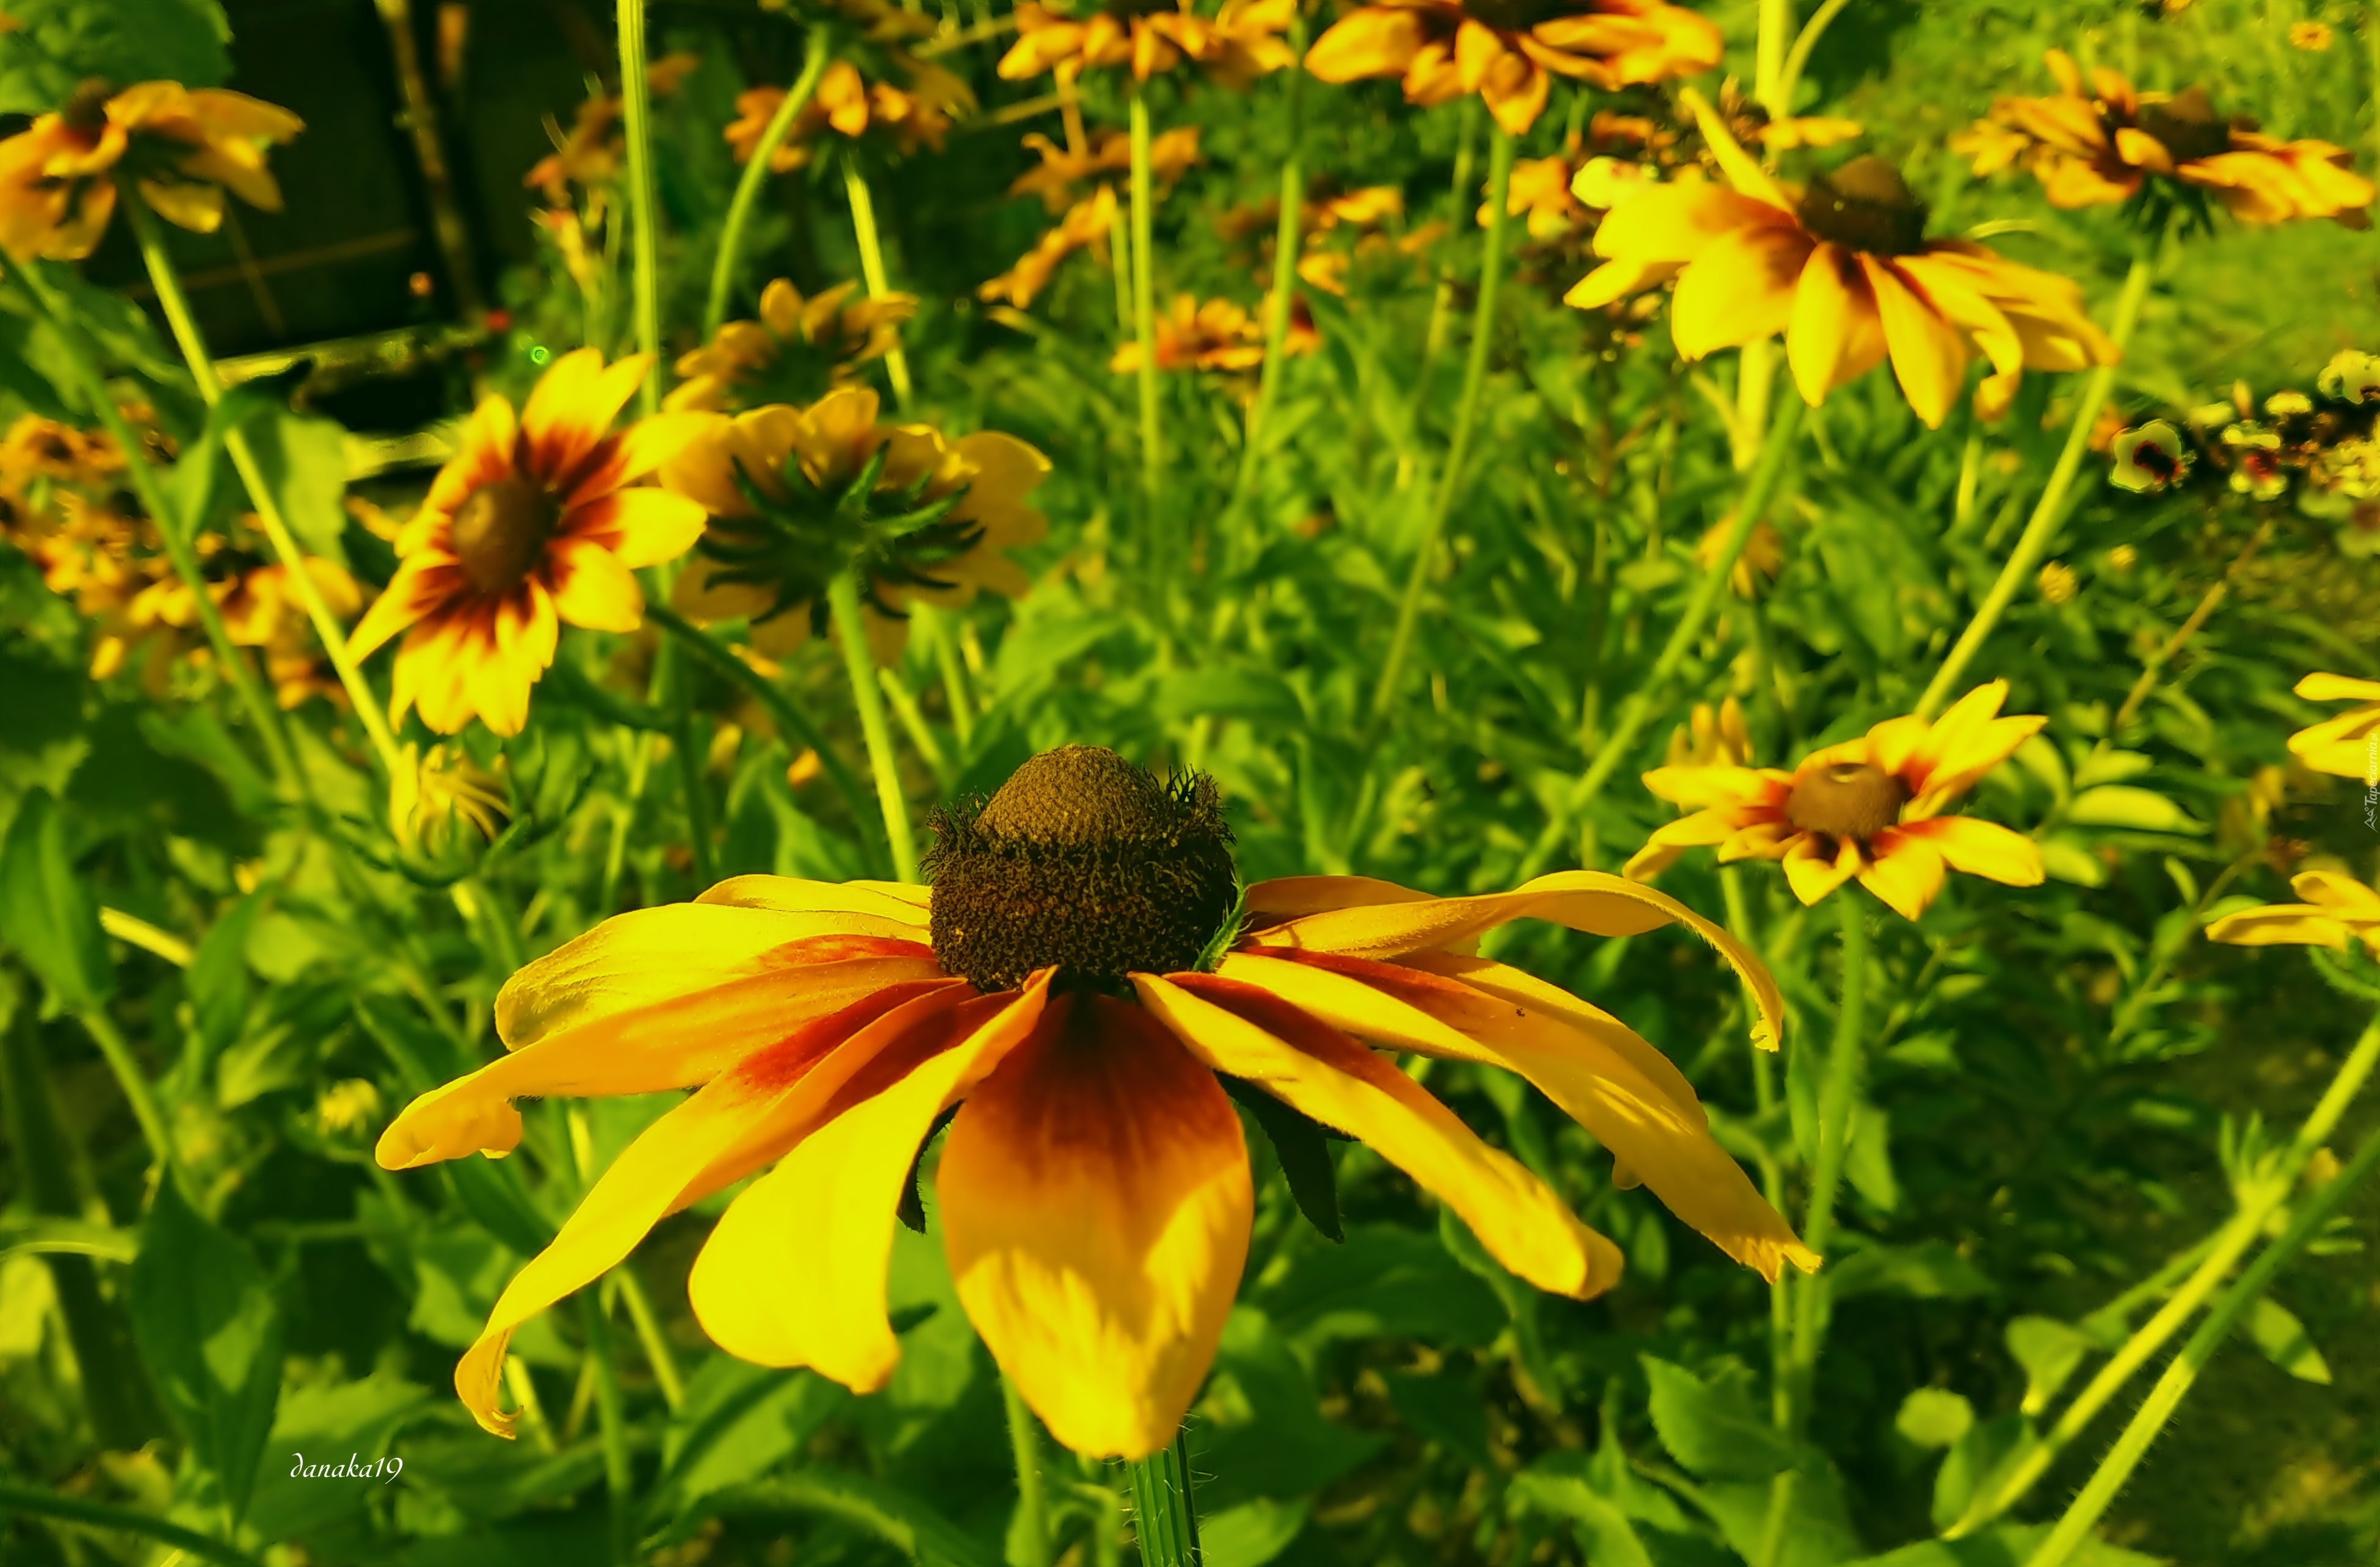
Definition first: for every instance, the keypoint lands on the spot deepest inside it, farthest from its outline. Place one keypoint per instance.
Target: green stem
(871, 266)
(1287, 238)
(14, 1498)
(2050, 510)
(796, 723)
(1144, 297)
(1165, 1519)
(645, 260)
(1768, 55)
(2258, 1198)
(1467, 413)
(647, 1323)
(1759, 488)
(134, 1084)
(815, 55)
(171, 529)
(1032, 1531)
(678, 705)
(2090, 1503)
(1120, 252)
(1835, 1106)
(327, 629)
(1442, 306)
(611, 1414)
(940, 627)
(850, 630)
(1798, 59)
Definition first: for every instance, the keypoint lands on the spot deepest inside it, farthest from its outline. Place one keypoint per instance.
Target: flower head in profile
(434, 796)
(916, 112)
(182, 148)
(2338, 910)
(1234, 46)
(2344, 747)
(1081, 185)
(589, 155)
(2104, 142)
(797, 495)
(1509, 51)
(1709, 737)
(1079, 987)
(796, 352)
(536, 520)
(1844, 269)
(1217, 334)
(1870, 808)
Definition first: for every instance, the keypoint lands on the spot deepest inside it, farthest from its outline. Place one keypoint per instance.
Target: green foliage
(59, 44)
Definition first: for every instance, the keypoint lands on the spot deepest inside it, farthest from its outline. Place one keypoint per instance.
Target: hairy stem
(644, 206)
(1836, 1100)
(1031, 1534)
(1165, 1520)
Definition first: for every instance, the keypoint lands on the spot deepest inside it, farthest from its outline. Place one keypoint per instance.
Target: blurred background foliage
(2065, 1080)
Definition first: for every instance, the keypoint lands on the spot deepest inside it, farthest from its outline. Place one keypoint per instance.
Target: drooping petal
(592, 588)
(1372, 42)
(2296, 925)
(1928, 356)
(1244, 1030)
(422, 583)
(1601, 1072)
(795, 1272)
(1096, 1203)
(1591, 901)
(572, 408)
(1904, 871)
(1820, 331)
(1813, 872)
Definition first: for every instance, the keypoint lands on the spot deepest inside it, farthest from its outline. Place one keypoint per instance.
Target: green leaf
(2067, 858)
(305, 464)
(1267, 1435)
(1868, 1160)
(893, 1515)
(2273, 1329)
(1606, 1536)
(211, 1335)
(1385, 1282)
(58, 44)
(1710, 1427)
(1928, 1271)
(1304, 1149)
(2125, 805)
(2111, 767)
(197, 473)
(1446, 1409)
(2005, 1544)
(1251, 1534)
(2049, 1351)
(47, 916)
(328, 1423)
(737, 1423)
(1977, 1462)
(1258, 695)
(1934, 1417)
(218, 976)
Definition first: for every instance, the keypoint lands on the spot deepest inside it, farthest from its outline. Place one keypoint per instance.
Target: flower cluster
(1238, 44)
(2105, 143)
(889, 88)
(1217, 334)
(796, 351)
(1337, 233)
(1089, 218)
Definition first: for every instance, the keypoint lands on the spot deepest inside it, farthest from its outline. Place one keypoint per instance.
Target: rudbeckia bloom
(530, 524)
(793, 353)
(1094, 1196)
(1239, 44)
(1087, 223)
(1218, 334)
(1870, 807)
(2104, 143)
(2343, 746)
(2338, 910)
(796, 496)
(920, 114)
(1845, 271)
(183, 149)
(1503, 52)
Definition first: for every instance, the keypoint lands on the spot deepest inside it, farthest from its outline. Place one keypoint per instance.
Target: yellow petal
(788, 894)
(1371, 42)
(2321, 687)
(1812, 874)
(1981, 848)
(1928, 357)
(1905, 872)
(1601, 1074)
(2301, 925)
(1742, 170)
(1739, 290)
(1096, 1203)
(1591, 901)
(1242, 1029)
(1820, 331)
(795, 1272)
(592, 589)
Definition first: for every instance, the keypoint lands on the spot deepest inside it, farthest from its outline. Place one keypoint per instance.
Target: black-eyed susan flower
(1509, 54)
(1844, 269)
(1709, 737)
(1087, 223)
(2105, 143)
(1059, 987)
(182, 148)
(795, 353)
(2338, 910)
(1217, 334)
(2343, 746)
(533, 522)
(918, 112)
(1238, 44)
(1870, 808)
(796, 496)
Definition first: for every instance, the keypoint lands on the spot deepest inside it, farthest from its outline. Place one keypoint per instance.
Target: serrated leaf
(1606, 1536)
(305, 462)
(1712, 1430)
(2275, 1329)
(47, 916)
(211, 1336)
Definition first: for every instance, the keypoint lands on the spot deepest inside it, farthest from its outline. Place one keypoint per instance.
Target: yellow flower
(430, 795)
(1870, 807)
(795, 351)
(1087, 223)
(532, 523)
(1239, 44)
(1541, 187)
(590, 154)
(2313, 37)
(1170, 154)
(2337, 909)
(2057, 582)
(1445, 49)
(1763, 557)
(1708, 738)
(182, 149)
(917, 115)
(2344, 745)
(1094, 1190)
(1845, 271)
(2100, 144)
(1218, 334)
(798, 494)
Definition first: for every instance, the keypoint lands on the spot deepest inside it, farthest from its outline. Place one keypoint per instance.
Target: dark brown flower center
(2186, 124)
(1849, 799)
(1867, 205)
(1516, 16)
(501, 529)
(1084, 863)
(85, 106)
